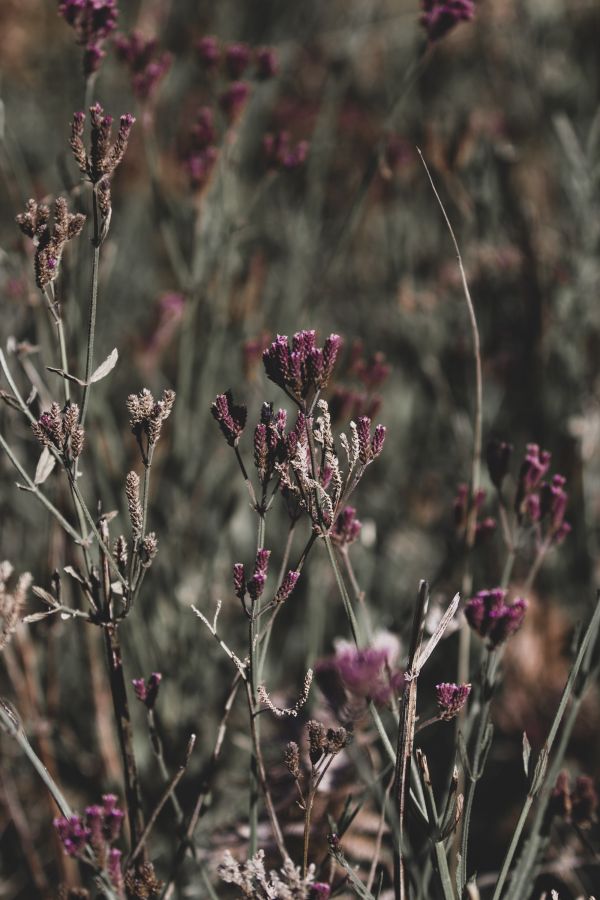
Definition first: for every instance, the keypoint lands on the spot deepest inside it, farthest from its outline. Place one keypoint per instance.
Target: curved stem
(89, 359)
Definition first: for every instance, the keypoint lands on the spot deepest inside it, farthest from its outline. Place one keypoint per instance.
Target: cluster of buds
(346, 527)
(464, 507)
(236, 58)
(201, 151)
(99, 828)
(146, 64)
(540, 501)
(147, 691)
(451, 698)
(300, 367)
(231, 418)
(280, 153)
(49, 242)
(61, 429)
(323, 741)
(147, 415)
(12, 601)
(105, 154)
(93, 21)
(493, 618)
(369, 446)
(579, 805)
(271, 444)
(441, 16)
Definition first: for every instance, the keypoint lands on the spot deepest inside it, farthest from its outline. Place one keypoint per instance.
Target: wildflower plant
(350, 735)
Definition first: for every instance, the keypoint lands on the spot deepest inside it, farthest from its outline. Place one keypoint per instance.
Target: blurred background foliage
(505, 110)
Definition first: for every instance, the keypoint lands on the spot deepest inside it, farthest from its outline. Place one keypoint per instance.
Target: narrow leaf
(45, 465)
(438, 633)
(45, 596)
(105, 367)
(37, 617)
(74, 574)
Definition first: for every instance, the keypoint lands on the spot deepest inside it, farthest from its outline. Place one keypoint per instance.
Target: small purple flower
(287, 586)
(441, 16)
(233, 100)
(368, 673)
(451, 698)
(73, 834)
(209, 51)
(492, 618)
(147, 66)
(92, 21)
(267, 64)
(369, 448)
(147, 692)
(346, 527)
(115, 871)
(280, 154)
(231, 417)
(237, 58)
(319, 890)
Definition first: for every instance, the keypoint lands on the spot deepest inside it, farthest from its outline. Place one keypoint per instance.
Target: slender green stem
(89, 360)
(354, 628)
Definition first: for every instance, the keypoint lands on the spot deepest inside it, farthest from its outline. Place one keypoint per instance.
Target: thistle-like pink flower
(147, 691)
(451, 698)
(492, 618)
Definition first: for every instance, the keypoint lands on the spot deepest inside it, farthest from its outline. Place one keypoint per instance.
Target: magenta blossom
(493, 618)
(441, 16)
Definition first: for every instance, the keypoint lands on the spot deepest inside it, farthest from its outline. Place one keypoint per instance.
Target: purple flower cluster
(300, 367)
(233, 99)
(147, 691)
(271, 444)
(202, 151)
(281, 154)
(369, 447)
(100, 827)
(346, 527)
(92, 21)
(255, 585)
(236, 58)
(147, 66)
(493, 618)
(539, 501)
(451, 698)
(231, 417)
(462, 508)
(441, 16)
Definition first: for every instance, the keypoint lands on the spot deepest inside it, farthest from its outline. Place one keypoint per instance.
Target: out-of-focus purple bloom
(231, 417)
(73, 834)
(451, 698)
(237, 58)
(368, 673)
(92, 21)
(492, 618)
(147, 691)
(441, 16)
(319, 890)
(280, 154)
(584, 799)
(209, 51)
(267, 64)
(533, 469)
(233, 100)
(369, 447)
(485, 529)
(346, 527)
(301, 367)
(115, 871)
(147, 66)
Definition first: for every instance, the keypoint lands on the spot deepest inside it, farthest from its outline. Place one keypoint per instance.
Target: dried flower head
(61, 429)
(493, 618)
(291, 759)
(105, 154)
(451, 698)
(49, 242)
(147, 415)
(12, 601)
(441, 16)
(230, 417)
(251, 877)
